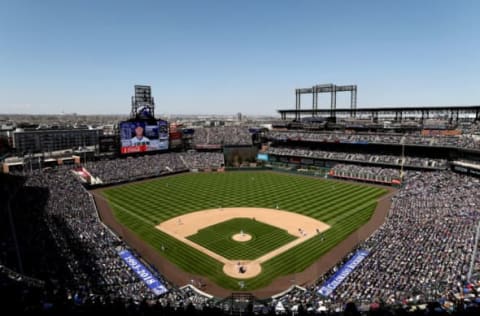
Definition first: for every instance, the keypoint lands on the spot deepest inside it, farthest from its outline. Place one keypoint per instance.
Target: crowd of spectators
(470, 128)
(132, 168)
(368, 172)
(89, 248)
(223, 135)
(466, 140)
(203, 160)
(71, 250)
(135, 168)
(427, 243)
(358, 157)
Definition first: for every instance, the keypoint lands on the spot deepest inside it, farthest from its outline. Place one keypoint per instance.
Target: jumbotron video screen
(142, 136)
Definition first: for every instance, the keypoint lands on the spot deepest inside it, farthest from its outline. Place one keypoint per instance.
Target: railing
(474, 255)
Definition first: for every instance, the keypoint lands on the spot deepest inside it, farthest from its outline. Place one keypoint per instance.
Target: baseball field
(269, 224)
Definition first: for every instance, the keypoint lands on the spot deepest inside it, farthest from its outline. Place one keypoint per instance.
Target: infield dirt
(300, 226)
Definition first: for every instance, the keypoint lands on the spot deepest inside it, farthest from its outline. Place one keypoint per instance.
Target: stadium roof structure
(451, 112)
(424, 112)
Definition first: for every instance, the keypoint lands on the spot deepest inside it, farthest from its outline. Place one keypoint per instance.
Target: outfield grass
(344, 206)
(218, 238)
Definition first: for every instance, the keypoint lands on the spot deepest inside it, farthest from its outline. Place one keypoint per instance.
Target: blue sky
(234, 56)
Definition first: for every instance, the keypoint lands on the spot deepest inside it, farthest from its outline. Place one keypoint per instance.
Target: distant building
(6, 139)
(48, 140)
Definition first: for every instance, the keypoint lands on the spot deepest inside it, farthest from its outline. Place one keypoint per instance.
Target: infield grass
(218, 238)
(344, 206)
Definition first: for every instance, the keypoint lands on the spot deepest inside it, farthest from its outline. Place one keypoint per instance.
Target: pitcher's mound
(242, 237)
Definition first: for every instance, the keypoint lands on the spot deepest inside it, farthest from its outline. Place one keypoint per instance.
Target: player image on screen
(143, 136)
(139, 138)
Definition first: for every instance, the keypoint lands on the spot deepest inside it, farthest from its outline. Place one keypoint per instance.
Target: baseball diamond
(264, 243)
(171, 214)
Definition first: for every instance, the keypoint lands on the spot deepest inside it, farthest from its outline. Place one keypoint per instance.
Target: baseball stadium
(313, 211)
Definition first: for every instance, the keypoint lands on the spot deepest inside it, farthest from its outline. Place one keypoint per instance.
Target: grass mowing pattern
(218, 238)
(344, 206)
